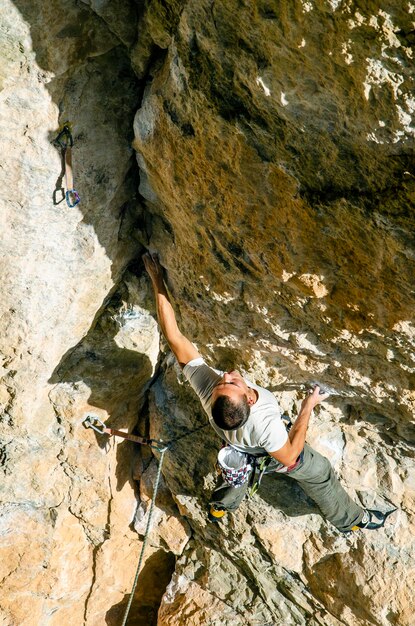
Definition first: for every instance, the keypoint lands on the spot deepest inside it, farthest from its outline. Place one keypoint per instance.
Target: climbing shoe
(372, 520)
(216, 514)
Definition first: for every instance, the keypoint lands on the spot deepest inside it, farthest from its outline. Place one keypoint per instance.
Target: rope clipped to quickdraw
(92, 421)
(65, 141)
(146, 534)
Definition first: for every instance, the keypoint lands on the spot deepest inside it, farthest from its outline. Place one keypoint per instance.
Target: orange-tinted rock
(274, 144)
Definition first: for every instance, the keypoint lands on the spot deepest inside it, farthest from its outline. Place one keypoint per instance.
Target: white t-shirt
(264, 430)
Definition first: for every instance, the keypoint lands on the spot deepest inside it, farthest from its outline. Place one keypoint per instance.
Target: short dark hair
(230, 415)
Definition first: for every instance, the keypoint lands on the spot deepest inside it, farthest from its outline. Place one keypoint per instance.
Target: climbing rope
(92, 421)
(146, 534)
(187, 433)
(65, 141)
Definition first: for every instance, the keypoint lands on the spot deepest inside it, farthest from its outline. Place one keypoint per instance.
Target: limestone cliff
(265, 148)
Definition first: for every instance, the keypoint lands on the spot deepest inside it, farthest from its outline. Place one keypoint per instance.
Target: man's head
(231, 401)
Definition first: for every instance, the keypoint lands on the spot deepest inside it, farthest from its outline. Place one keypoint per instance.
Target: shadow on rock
(284, 494)
(152, 582)
(84, 64)
(115, 377)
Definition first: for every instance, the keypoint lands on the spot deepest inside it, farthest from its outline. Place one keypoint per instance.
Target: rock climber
(248, 418)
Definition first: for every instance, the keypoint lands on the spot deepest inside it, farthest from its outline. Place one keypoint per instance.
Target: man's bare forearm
(165, 312)
(288, 454)
(298, 431)
(183, 349)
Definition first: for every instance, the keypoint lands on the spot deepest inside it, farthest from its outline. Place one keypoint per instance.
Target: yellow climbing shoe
(372, 520)
(215, 514)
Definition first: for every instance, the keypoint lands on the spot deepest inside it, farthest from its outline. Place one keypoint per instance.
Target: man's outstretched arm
(288, 454)
(182, 348)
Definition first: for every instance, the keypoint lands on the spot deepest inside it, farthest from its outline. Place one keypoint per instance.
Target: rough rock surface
(274, 172)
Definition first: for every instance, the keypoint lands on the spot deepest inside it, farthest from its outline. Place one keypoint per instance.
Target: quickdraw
(92, 421)
(65, 141)
(260, 464)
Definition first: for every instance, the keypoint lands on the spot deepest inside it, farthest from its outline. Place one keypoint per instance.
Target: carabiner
(72, 198)
(64, 138)
(91, 421)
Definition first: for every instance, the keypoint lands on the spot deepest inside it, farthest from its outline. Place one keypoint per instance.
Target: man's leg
(316, 477)
(228, 498)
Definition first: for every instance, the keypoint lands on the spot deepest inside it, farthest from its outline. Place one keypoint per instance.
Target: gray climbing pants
(316, 477)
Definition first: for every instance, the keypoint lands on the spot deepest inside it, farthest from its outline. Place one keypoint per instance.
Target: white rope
(147, 532)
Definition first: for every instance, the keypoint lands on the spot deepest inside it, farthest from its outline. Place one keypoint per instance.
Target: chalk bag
(234, 466)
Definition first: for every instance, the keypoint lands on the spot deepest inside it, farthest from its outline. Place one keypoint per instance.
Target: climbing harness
(92, 421)
(236, 467)
(65, 141)
(260, 464)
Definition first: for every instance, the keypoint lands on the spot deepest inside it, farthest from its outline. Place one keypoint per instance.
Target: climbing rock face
(265, 149)
(275, 141)
(61, 268)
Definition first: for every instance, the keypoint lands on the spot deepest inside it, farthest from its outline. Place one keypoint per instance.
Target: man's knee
(228, 497)
(224, 506)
